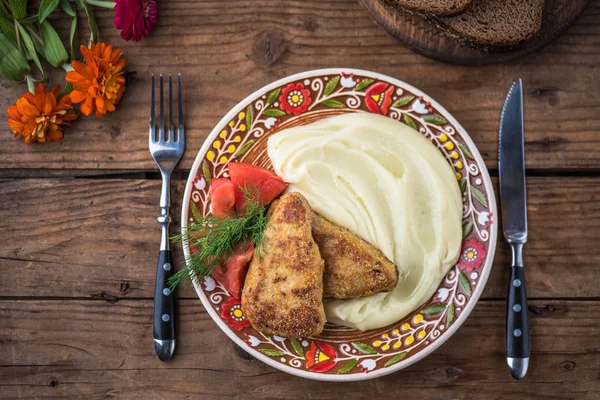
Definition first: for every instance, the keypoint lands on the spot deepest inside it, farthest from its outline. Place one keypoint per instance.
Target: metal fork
(166, 151)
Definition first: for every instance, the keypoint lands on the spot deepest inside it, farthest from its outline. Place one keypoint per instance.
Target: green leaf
(333, 104)
(274, 112)
(26, 40)
(70, 11)
(30, 49)
(465, 284)
(72, 37)
(479, 196)
(272, 353)
(467, 228)
(54, 51)
(409, 121)
(206, 173)
(396, 358)
(13, 66)
(91, 19)
(68, 8)
(435, 120)
(364, 348)
(244, 149)
(450, 315)
(29, 20)
(101, 3)
(403, 101)
(3, 10)
(46, 9)
(196, 212)
(465, 150)
(249, 117)
(273, 96)
(18, 8)
(298, 347)
(331, 85)
(462, 184)
(434, 309)
(7, 28)
(348, 366)
(363, 84)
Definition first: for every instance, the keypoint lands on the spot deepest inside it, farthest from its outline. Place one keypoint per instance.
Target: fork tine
(152, 137)
(171, 137)
(180, 129)
(161, 127)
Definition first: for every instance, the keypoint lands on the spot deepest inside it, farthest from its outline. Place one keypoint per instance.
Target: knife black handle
(164, 318)
(517, 324)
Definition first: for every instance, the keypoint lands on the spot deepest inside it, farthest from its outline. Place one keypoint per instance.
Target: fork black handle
(164, 318)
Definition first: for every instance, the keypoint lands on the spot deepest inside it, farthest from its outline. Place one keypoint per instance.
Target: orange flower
(37, 116)
(99, 83)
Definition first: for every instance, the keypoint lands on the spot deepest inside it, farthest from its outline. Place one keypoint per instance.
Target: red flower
(294, 98)
(234, 315)
(471, 256)
(321, 357)
(379, 97)
(135, 18)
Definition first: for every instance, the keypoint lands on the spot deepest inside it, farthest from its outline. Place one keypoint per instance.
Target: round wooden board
(422, 37)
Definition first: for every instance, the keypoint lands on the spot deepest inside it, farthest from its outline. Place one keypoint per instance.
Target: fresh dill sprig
(215, 237)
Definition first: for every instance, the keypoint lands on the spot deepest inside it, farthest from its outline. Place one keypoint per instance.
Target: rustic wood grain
(99, 238)
(422, 36)
(228, 49)
(78, 256)
(104, 350)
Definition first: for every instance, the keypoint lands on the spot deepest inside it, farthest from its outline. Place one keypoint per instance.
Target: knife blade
(513, 201)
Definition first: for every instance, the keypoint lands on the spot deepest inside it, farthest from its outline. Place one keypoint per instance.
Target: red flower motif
(471, 256)
(379, 97)
(234, 315)
(321, 357)
(135, 18)
(294, 98)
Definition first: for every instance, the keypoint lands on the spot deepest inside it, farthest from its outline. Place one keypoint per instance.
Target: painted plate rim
(485, 270)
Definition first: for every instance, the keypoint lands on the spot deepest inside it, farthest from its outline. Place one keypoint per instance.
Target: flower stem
(34, 34)
(18, 36)
(99, 3)
(30, 84)
(67, 67)
(91, 21)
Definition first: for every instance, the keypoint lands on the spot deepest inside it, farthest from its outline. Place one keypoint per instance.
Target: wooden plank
(96, 237)
(94, 350)
(87, 238)
(227, 50)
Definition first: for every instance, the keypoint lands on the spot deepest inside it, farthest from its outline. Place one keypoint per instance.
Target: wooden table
(79, 235)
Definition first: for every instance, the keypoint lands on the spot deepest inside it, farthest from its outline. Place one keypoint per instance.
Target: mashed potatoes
(387, 184)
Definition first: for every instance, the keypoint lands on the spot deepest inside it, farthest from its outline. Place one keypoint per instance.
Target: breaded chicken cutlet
(283, 292)
(353, 267)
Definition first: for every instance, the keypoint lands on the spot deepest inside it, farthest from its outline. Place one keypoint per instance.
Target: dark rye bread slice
(436, 7)
(495, 22)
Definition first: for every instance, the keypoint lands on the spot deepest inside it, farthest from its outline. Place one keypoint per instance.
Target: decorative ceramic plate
(340, 353)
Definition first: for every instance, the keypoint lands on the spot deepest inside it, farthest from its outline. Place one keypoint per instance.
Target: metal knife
(513, 201)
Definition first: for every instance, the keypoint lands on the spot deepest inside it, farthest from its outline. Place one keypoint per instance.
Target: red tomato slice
(232, 273)
(222, 196)
(250, 176)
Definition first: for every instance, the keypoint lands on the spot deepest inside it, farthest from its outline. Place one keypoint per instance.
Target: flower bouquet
(28, 42)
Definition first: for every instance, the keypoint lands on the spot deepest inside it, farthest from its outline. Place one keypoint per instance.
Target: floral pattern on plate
(296, 101)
